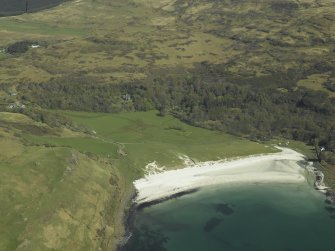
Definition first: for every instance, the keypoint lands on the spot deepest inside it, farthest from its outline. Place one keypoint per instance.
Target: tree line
(256, 111)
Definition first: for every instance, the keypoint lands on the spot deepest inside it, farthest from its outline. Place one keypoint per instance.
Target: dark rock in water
(173, 196)
(330, 209)
(328, 201)
(224, 208)
(212, 223)
(329, 193)
(332, 216)
(330, 197)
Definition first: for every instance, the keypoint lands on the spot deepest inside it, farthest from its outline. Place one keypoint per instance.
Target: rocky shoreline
(128, 223)
(129, 216)
(320, 185)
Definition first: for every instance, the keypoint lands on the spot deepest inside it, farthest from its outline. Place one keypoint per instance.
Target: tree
(317, 149)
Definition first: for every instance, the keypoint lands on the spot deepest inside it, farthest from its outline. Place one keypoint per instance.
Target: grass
(37, 187)
(55, 198)
(316, 82)
(298, 146)
(40, 28)
(85, 145)
(329, 173)
(147, 137)
(3, 55)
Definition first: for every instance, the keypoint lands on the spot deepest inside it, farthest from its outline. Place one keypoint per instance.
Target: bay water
(238, 217)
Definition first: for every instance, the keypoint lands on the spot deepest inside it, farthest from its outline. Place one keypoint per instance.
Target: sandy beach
(278, 167)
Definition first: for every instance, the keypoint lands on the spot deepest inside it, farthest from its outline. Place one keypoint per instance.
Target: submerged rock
(330, 209)
(224, 208)
(212, 223)
(146, 239)
(330, 198)
(328, 201)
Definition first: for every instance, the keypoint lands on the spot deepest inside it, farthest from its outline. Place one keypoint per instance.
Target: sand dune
(278, 167)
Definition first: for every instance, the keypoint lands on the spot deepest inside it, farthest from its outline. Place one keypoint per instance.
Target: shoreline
(283, 167)
(289, 167)
(128, 217)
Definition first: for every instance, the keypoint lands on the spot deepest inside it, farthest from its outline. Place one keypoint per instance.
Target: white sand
(278, 167)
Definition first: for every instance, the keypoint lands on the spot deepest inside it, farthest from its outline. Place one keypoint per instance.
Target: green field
(39, 28)
(145, 137)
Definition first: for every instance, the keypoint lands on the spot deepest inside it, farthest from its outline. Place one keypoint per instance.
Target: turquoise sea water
(248, 217)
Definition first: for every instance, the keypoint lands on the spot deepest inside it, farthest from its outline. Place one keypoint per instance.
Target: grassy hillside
(112, 41)
(55, 198)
